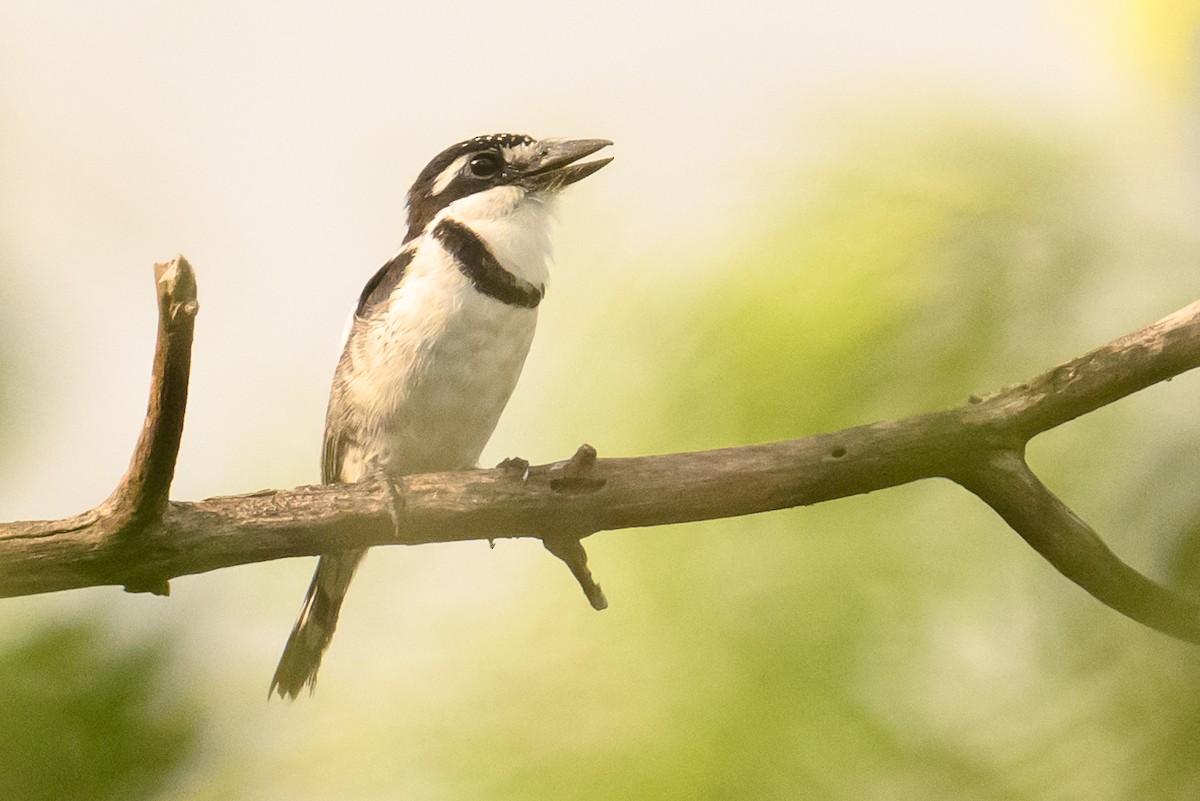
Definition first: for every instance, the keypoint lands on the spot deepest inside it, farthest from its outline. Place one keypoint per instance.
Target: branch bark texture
(979, 446)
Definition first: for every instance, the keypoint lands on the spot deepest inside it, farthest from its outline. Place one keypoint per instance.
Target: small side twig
(573, 476)
(571, 551)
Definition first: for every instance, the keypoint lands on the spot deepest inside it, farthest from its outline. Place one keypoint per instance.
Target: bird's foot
(396, 505)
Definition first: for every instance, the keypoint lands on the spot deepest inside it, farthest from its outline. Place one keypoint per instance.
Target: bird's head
(496, 173)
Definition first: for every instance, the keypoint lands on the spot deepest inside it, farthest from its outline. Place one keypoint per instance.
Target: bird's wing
(333, 452)
(380, 287)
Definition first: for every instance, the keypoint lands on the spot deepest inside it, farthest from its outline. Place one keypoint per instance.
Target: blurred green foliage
(84, 717)
(894, 279)
(84, 713)
(904, 645)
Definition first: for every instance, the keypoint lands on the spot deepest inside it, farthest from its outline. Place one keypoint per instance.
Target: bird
(437, 340)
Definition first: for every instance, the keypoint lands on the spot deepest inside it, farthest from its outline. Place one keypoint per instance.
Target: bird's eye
(485, 165)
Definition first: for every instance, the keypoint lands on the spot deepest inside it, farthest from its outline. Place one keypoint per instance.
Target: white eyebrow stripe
(448, 174)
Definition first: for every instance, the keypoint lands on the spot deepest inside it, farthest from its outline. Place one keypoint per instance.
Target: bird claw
(397, 506)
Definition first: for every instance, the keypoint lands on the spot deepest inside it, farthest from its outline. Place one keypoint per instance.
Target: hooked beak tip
(557, 163)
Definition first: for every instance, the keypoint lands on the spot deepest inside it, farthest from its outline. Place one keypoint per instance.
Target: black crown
(502, 139)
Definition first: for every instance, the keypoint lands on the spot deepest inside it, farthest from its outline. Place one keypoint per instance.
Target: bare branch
(139, 502)
(108, 544)
(1158, 352)
(978, 445)
(1006, 484)
(143, 490)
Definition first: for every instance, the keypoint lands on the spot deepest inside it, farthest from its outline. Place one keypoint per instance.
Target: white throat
(513, 224)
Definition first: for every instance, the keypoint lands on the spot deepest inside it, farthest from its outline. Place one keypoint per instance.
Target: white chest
(424, 382)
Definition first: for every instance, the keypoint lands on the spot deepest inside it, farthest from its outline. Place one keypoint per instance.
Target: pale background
(819, 214)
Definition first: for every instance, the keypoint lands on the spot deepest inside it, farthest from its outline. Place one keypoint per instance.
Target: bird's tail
(314, 628)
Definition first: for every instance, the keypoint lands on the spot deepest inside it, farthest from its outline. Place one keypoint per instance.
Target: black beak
(554, 167)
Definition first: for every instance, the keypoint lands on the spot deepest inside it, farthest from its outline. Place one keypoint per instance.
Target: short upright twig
(139, 503)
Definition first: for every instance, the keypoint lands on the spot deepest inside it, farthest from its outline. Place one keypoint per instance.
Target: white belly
(451, 359)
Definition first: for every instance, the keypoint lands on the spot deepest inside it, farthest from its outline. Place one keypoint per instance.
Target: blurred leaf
(86, 718)
(901, 281)
(892, 646)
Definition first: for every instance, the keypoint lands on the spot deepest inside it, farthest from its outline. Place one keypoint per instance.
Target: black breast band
(485, 272)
